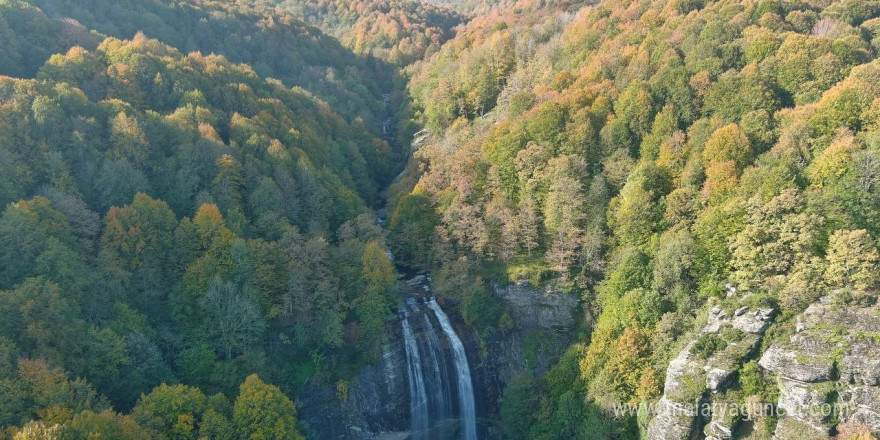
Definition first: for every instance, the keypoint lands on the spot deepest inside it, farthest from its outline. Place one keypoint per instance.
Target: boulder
(796, 365)
(752, 321)
(717, 378)
(672, 421)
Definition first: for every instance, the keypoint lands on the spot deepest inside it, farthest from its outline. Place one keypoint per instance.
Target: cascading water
(441, 390)
(441, 395)
(418, 399)
(467, 408)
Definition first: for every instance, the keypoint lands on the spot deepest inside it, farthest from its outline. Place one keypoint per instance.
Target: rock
(672, 421)
(415, 281)
(862, 364)
(752, 322)
(827, 332)
(791, 429)
(724, 418)
(804, 402)
(717, 378)
(377, 404)
(548, 315)
(533, 308)
(717, 318)
(688, 377)
(861, 404)
(682, 375)
(795, 365)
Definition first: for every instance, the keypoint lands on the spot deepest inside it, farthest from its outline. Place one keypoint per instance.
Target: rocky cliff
(694, 394)
(828, 371)
(377, 407)
(544, 319)
(826, 375)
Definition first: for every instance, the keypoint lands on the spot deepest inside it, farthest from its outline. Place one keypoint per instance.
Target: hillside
(275, 44)
(179, 219)
(646, 156)
(592, 204)
(400, 31)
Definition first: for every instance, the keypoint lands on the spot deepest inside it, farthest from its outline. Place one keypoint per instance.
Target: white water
(441, 393)
(467, 409)
(418, 401)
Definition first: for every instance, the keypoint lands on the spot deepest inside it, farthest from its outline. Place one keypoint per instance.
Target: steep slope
(400, 31)
(645, 156)
(173, 224)
(30, 38)
(275, 44)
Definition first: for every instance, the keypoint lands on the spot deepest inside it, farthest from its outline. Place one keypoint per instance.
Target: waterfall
(418, 399)
(441, 393)
(467, 410)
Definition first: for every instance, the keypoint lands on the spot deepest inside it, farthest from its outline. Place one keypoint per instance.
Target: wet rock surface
(378, 402)
(377, 406)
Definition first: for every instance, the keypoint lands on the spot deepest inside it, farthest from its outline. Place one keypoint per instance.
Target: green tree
(234, 321)
(853, 260)
(778, 234)
(171, 412)
(263, 412)
(411, 230)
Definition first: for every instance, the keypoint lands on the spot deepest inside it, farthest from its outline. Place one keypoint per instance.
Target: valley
(432, 220)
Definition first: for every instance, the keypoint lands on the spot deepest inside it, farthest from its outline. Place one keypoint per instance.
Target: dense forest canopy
(400, 31)
(174, 223)
(644, 155)
(274, 43)
(187, 194)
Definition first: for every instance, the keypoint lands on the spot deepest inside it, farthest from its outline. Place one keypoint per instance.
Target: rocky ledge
(376, 406)
(699, 375)
(828, 371)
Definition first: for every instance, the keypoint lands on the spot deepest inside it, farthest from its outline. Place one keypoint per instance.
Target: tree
(128, 140)
(38, 431)
(88, 425)
(518, 405)
(226, 186)
(728, 143)
(170, 412)
(853, 260)
(146, 368)
(233, 321)
(263, 412)
(529, 222)
(141, 235)
(411, 229)
(778, 234)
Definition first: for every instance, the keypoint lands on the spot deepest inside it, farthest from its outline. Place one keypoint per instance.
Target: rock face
(694, 398)
(544, 319)
(827, 372)
(377, 406)
(834, 356)
(537, 308)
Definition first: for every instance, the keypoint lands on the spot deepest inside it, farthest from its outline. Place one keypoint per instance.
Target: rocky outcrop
(376, 408)
(833, 357)
(543, 321)
(692, 406)
(538, 308)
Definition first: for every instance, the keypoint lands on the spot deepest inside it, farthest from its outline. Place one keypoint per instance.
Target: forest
(189, 188)
(649, 157)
